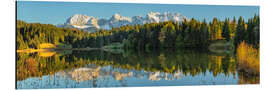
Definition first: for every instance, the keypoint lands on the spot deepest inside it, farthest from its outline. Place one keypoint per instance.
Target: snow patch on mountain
(91, 24)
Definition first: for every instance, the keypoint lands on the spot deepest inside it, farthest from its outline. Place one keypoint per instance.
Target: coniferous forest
(166, 49)
(190, 33)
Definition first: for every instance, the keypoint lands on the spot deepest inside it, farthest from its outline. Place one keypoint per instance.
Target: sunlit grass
(248, 58)
(46, 45)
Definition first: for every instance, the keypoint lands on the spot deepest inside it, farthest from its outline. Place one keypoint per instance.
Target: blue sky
(59, 12)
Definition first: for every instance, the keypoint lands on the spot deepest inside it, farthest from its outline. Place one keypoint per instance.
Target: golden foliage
(248, 58)
(31, 65)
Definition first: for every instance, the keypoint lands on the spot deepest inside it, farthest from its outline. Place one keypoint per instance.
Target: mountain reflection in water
(83, 69)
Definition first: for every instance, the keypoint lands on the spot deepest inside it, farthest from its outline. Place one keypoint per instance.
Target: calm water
(85, 69)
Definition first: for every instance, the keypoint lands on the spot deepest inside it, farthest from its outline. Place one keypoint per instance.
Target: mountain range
(91, 24)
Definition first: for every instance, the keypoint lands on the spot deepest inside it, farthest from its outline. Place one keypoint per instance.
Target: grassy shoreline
(54, 49)
(35, 50)
(219, 46)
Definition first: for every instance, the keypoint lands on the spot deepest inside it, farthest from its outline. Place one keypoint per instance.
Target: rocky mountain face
(91, 24)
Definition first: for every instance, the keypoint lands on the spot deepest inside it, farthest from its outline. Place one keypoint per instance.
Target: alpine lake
(122, 68)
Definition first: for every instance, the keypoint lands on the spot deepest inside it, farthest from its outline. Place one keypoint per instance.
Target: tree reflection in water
(106, 69)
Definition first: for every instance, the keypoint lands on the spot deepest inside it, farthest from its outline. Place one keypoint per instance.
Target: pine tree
(226, 29)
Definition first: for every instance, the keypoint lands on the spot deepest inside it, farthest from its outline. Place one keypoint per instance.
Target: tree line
(190, 33)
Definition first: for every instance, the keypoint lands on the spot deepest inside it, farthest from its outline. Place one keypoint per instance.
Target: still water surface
(86, 69)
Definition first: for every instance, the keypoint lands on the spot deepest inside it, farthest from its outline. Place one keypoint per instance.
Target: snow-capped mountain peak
(78, 19)
(90, 23)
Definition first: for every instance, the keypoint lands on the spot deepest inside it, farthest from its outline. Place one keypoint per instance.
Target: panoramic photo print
(96, 45)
